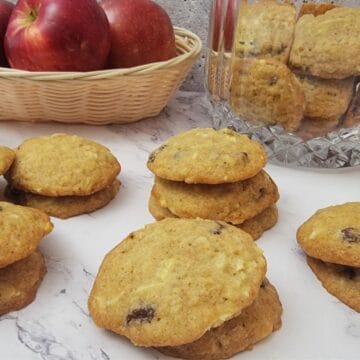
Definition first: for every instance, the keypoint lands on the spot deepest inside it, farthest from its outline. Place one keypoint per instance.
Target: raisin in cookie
(265, 29)
(62, 165)
(328, 45)
(326, 99)
(21, 231)
(64, 207)
(341, 281)
(333, 234)
(7, 157)
(233, 203)
(255, 323)
(208, 156)
(266, 91)
(170, 282)
(20, 281)
(254, 226)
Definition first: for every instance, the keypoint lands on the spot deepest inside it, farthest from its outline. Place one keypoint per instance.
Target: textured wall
(192, 15)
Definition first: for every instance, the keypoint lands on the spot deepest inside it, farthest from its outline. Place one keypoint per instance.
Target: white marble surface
(57, 325)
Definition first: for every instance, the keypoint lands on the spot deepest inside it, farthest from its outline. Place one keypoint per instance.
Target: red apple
(57, 35)
(141, 33)
(228, 25)
(6, 8)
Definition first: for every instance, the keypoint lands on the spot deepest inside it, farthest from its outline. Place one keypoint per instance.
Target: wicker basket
(97, 97)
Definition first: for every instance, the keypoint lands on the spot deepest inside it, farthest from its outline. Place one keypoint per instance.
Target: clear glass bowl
(288, 74)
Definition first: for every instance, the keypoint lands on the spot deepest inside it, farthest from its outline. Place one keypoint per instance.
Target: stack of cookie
(63, 175)
(331, 240)
(22, 266)
(295, 70)
(216, 175)
(194, 289)
(7, 157)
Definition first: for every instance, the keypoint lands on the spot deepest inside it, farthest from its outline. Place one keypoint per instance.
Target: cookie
(341, 281)
(21, 230)
(314, 127)
(20, 281)
(326, 99)
(328, 45)
(257, 225)
(208, 156)
(255, 323)
(7, 156)
(265, 91)
(65, 206)
(233, 203)
(62, 165)
(254, 226)
(265, 29)
(169, 283)
(333, 234)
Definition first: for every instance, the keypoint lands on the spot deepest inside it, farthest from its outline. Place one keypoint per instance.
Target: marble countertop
(57, 325)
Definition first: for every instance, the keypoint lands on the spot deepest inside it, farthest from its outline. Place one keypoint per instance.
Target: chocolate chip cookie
(62, 165)
(265, 91)
(265, 29)
(7, 156)
(333, 235)
(233, 202)
(208, 156)
(170, 282)
(20, 281)
(21, 231)
(255, 323)
(326, 99)
(254, 226)
(328, 45)
(64, 207)
(341, 281)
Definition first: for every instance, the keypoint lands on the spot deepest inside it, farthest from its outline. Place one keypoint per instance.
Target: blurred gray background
(192, 15)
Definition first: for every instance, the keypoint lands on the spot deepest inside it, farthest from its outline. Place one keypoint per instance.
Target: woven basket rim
(186, 40)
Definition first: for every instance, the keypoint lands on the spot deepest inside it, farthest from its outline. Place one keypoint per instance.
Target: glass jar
(287, 73)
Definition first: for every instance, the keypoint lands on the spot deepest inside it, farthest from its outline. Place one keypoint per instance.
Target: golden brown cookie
(20, 281)
(254, 226)
(62, 165)
(326, 99)
(170, 282)
(257, 225)
(341, 281)
(233, 203)
(7, 156)
(333, 234)
(208, 156)
(65, 206)
(266, 91)
(265, 29)
(328, 45)
(21, 231)
(255, 323)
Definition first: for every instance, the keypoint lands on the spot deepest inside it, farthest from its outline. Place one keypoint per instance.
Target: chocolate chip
(349, 272)
(273, 80)
(155, 153)
(140, 315)
(218, 230)
(351, 235)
